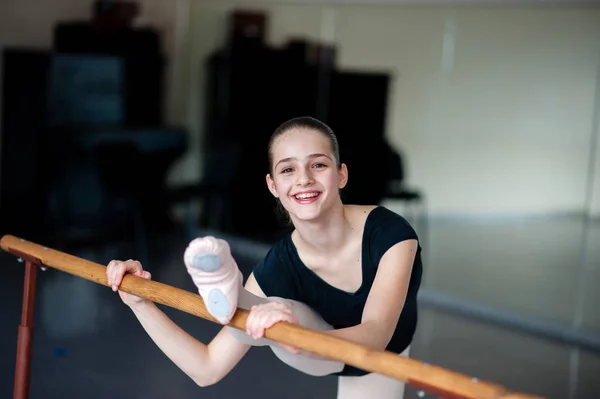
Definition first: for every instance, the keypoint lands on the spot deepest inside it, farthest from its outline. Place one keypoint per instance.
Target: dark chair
(396, 190)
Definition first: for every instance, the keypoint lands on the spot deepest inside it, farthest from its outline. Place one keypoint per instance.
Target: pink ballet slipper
(216, 275)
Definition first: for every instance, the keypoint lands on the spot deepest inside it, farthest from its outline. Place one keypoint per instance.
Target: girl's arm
(205, 364)
(386, 298)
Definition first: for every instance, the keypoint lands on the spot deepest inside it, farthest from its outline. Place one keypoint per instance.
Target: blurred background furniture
(85, 151)
(254, 87)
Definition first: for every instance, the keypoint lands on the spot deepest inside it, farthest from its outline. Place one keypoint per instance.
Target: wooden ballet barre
(445, 383)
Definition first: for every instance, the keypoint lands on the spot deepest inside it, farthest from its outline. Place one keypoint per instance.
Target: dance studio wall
(594, 210)
(501, 124)
(492, 106)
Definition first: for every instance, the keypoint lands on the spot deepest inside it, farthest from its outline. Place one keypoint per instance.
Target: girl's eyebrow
(316, 155)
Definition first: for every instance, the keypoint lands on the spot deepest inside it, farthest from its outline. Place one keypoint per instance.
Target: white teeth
(306, 195)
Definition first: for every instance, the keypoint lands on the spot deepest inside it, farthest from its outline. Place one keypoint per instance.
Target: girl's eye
(286, 170)
(320, 165)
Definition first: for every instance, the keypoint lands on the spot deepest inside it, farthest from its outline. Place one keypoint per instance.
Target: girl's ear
(271, 186)
(343, 176)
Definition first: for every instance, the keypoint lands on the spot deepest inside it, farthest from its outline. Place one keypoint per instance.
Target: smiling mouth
(307, 197)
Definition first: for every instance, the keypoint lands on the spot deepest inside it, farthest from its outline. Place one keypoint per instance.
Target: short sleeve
(385, 229)
(275, 275)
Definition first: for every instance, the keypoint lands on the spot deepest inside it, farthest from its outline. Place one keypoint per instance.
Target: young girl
(351, 271)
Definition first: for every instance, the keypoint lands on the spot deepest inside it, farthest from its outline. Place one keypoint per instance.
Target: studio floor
(89, 345)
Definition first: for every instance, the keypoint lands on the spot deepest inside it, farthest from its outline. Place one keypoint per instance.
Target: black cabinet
(68, 112)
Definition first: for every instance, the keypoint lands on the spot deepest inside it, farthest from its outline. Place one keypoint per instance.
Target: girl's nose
(304, 177)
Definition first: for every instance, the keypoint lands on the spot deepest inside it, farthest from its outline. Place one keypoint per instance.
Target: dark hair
(305, 122)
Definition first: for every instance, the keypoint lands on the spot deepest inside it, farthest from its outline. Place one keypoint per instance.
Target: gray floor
(88, 344)
(546, 268)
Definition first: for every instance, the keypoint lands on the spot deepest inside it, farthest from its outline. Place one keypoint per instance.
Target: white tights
(368, 386)
(371, 386)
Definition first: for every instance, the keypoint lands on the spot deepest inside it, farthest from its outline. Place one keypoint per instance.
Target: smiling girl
(351, 271)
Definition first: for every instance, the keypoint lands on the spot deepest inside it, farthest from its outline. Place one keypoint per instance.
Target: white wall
(493, 107)
(505, 128)
(594, 207)
(594, 200)
(500, 125)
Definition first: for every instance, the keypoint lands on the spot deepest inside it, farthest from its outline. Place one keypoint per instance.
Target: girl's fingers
(108, 273)
(114, 275)
(117, 269)
(263, 317)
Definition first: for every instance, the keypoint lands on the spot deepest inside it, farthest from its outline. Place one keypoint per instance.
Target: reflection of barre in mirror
(429, 378)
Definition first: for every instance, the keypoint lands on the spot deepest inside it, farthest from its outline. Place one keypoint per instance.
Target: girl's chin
(306, 213)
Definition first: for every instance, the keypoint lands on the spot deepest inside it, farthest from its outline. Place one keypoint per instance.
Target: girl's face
(305, 177)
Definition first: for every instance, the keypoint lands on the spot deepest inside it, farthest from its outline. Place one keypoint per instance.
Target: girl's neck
(327, 234)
